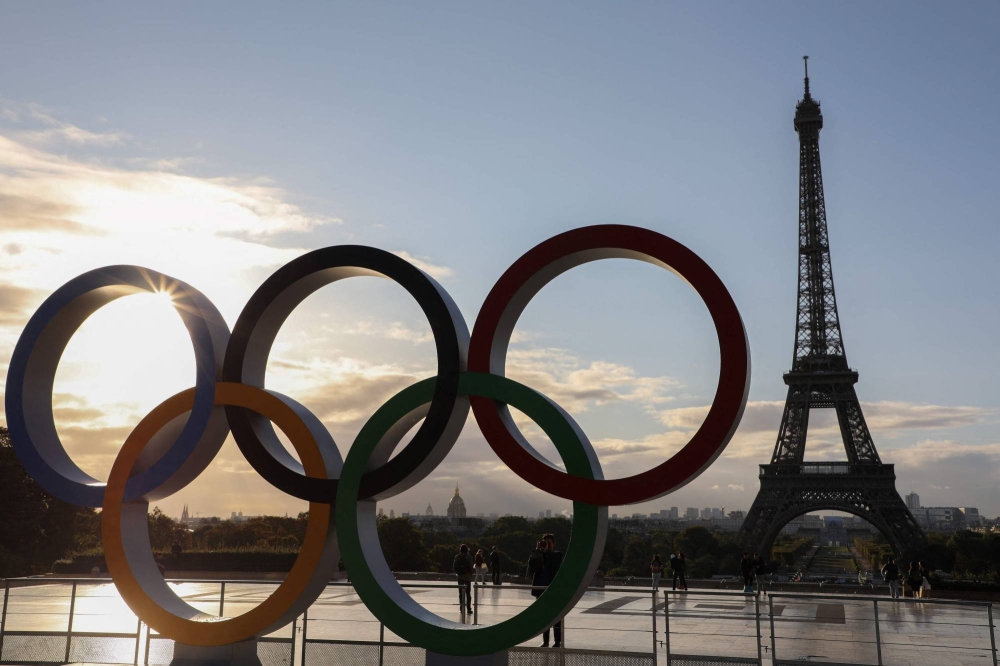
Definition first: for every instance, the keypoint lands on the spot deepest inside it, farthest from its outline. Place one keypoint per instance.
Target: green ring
(423, 628)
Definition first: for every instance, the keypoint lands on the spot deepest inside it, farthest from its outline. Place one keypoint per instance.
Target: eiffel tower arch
(821, 378)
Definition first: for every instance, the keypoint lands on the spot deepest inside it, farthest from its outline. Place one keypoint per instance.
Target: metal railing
(881, 636)
(56, 621)
(355, 639)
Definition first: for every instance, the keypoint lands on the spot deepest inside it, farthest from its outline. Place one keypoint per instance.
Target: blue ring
(32, 371)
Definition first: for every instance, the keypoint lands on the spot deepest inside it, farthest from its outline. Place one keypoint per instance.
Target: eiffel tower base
(788, 490)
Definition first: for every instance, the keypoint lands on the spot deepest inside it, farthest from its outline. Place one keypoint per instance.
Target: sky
(217, 142)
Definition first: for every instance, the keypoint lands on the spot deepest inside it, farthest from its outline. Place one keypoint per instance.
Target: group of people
(543, 565)
(751, 568)
(678, 564)
(915, 582)
(471, 569)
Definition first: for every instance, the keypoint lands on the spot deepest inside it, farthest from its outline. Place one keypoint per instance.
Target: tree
(37, 528)
(695, 542)
(637, 557)
(558, 526)
(442, 558)
(402, 544)
(508, 524)
(614, 550)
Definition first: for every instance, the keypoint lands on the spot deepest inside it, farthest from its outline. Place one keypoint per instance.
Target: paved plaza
(807, 629)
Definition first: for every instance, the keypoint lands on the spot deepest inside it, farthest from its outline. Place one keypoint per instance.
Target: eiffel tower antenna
(821, 378)
(805, 61)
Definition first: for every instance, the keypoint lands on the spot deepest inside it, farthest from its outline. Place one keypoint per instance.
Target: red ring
(525, 278)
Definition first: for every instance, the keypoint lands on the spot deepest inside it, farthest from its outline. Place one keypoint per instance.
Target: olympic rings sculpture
(179, 438)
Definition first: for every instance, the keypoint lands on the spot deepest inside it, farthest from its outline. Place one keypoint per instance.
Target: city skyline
(673, 118)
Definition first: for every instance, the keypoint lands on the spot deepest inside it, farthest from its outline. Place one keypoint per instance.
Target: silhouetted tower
(821, 378)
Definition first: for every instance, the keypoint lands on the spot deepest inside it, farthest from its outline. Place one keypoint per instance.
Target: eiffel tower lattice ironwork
(820, 377)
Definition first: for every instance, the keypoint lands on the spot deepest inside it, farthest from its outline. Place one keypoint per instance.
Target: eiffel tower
(821, 378)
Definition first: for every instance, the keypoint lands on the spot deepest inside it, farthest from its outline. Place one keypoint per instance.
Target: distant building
(674, 515)
(691, 513)
(541, 514)
(706, 513)
(805, 522)
(943, 518)
(185, 517)
(972, 518)
(717, 513)
(912, 501)
(392, 513)
(548, 513)
(456, 508)
(429, 511)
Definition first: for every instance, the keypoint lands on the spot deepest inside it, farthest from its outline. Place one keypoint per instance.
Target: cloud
(51, 130)
(937, 452)
(737, 487)
(577, 385)
(435, 271)
(392, 331)
(17, 303)
(216, 233)
(892, 416)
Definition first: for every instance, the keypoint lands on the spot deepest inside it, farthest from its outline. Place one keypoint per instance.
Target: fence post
(69, 629)
(756, 612)
(295, 630)
(989, 611)
(475, 603)
(3, 615)
(138, 639)
(654, 627)
(878, 637)
(666, 624)
(222, 598)
(381, 643)
(305, 635)
(149, 636)
(770, 613)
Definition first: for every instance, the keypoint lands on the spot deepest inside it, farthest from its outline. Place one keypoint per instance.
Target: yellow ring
(315, 554)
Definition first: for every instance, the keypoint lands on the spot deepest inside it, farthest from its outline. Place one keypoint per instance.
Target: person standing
(913, 580)
(463, 570)
(758, 570)
(681, 568)
(925, 581)
(656, 568)
(890, 574)
(544, 564)
(480, 567)
(746, 568)
(495, 565)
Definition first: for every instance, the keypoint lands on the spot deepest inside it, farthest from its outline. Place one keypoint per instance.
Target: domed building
(456, 508)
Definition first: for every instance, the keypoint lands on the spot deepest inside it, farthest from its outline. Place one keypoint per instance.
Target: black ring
(258, 325)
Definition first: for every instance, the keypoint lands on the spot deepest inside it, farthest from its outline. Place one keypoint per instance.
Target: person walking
(480, 567)
(495, 565)
(656, 568)
(746, 568)
(925, 581)
(890, 574)
(681, 568)
(543, 565)
(464, 572)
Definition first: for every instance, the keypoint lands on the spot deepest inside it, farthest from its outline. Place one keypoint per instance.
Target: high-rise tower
(821, 378)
